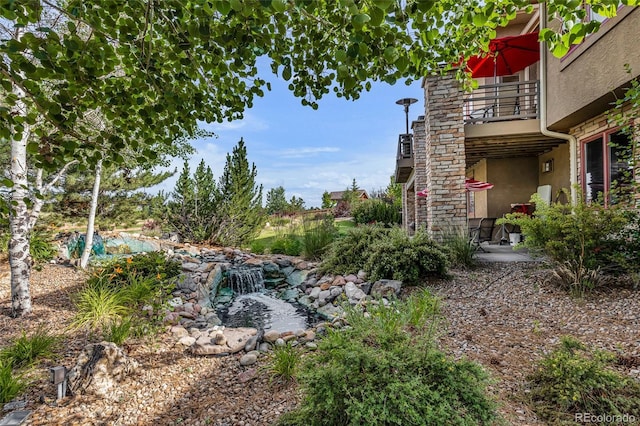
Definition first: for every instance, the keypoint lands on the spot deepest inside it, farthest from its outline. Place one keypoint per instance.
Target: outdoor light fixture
(59, 378)
(406, 102)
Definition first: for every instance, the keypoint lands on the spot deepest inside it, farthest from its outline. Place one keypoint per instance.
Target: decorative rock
(179, 331)
(248, 359)
(99, 368)
(296, 277)
(362, 275)
(237, 337)
(339, 280)
(209, 349)
(283, 262)
(335, 292)
(288, 338)
(351, 278)
(219, 339)
(325, 286)
(300, 333)
(311, 345)
(310, 335)
(386, 288)
(186, 341)
(353, 293)
(323, 297)
(329, 311)
(251, 344)
(271, 336)
(264, 347)
(190, 267)
(280, 342)
(315, 292)
(204, 340)
(176, 301)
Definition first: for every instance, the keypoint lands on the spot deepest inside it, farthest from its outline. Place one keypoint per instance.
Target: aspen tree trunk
(19, 255)
(88, 240)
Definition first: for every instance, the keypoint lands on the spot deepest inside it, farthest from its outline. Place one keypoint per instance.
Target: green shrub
(376, 211)
(409, 259)
(152, 265)
(11, 385)
(586, 239)
(381, 370)
(258, 247)
(24, 350)
(386, 253)
(573, 380)
(350, 252)
(317, 236)
(288, 244)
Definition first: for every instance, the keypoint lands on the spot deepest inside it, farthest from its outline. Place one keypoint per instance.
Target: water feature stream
(256, 307)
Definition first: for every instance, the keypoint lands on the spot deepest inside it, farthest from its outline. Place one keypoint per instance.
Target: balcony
(502, 102)
(501, 121)
(404, 159)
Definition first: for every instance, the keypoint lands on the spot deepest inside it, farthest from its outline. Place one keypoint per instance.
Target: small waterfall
(246, 280)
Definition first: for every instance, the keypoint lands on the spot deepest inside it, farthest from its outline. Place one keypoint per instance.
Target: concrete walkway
(506, 253)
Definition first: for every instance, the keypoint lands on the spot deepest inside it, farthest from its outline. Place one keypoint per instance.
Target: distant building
(339, 195)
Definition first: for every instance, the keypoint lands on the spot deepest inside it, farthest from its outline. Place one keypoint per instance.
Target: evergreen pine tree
(327, 202)
(240, 208)
(276, 201)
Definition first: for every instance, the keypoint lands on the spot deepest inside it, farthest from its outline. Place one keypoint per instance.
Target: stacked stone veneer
(419, 172)
(444, 162)
(408, 208)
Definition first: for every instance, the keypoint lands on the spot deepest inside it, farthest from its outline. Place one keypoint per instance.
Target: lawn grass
(344, 225)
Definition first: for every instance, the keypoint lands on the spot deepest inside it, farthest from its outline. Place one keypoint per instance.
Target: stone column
(445, 161)
(419, 171)
(408, 209)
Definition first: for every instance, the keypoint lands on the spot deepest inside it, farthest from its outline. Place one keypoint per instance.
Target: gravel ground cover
(504, 316)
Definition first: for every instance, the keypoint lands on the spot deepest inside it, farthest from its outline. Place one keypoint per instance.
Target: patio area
(504, 253)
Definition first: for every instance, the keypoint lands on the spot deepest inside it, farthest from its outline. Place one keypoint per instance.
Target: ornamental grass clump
(384, 370)
(112, 299)
(573, 380)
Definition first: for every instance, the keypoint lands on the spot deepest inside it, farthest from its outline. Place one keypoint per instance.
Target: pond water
(264, 311)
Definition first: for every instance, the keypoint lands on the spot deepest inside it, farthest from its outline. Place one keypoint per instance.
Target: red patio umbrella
(422, 193)
(473, 185)
(506, 56)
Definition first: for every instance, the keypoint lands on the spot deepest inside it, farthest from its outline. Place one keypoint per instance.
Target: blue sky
(309, 151)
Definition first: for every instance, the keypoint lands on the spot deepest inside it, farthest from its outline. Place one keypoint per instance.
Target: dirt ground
(504, 316)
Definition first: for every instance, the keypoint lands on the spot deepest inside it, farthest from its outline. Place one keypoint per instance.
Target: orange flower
(158, 276)
(129, 260)
(118, 270)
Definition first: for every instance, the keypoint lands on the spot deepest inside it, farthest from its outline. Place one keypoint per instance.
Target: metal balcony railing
(502, 102)
(405, 146)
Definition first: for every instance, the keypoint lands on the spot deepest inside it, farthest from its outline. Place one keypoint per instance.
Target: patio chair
(481, 230)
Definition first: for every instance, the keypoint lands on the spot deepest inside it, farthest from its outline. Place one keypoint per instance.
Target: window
(607, 171)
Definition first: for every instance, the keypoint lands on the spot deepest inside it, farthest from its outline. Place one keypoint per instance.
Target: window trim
(604, 137)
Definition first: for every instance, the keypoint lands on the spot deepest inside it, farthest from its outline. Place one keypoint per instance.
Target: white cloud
(306, 152)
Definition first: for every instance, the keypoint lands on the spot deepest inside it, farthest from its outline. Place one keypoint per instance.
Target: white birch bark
(19, 255)
(84, 260)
